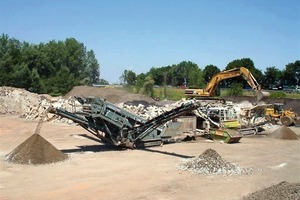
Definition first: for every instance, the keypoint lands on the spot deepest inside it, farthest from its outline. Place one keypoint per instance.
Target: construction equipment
(210, 90)
(225, 135)
(215, 121)
(277, 113)
(118, 127)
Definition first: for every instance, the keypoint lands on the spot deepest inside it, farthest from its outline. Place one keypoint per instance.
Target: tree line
(189, 74)
(54, 67)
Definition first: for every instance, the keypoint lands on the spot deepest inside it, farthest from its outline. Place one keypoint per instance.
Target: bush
(148, 86)
(236, 89)
(173, 94)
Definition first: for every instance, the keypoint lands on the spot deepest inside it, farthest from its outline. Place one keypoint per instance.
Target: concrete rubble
(211, 163)
(16, 101)
(29, 105)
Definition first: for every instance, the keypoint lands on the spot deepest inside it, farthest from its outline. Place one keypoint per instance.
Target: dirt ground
(113, 95)
(95, 171)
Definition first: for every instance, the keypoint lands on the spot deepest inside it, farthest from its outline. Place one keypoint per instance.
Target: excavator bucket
(261, 95)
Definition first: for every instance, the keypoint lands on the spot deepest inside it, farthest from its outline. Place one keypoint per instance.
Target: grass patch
(173, 94)
(176, 94)
(277, 94)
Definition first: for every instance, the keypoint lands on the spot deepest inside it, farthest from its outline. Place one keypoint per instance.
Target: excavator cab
(278, 108)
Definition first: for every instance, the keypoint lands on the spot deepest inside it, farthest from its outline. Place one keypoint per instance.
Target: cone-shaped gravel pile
(35, 151)
(210, 162)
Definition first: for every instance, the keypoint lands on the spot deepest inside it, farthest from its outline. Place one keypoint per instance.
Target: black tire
(286, 120)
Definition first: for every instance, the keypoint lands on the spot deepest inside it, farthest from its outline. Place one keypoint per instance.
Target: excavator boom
(210, 89)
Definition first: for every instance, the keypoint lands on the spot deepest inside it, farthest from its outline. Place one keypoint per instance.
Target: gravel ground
(281, 191)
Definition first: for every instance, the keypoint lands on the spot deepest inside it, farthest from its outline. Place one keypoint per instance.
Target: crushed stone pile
(284, 133)
(35, 151)
(283, 190)
(211, 163)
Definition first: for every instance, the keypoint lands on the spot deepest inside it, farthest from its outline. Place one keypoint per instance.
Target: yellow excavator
(228, 135)
(210, 89)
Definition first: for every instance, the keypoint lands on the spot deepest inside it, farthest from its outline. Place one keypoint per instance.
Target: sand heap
(211, 163)
(284, 133)
(35, 150)
(110, 93)
(283, 190)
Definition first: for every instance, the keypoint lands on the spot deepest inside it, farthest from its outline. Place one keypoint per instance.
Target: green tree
(52, 67)
(148, 86)
(249, 64)
(62, 82)
(161, 75)
(103, 82)
(186, 73)
(272, 76)
(209, 71)
(10, 59)
(291, 74)
(35, 81)
(21, 76)
(140, 79)
(75, 57)
(92, 67)
(128, 78)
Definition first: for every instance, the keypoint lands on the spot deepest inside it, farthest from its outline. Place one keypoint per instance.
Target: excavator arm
(210, 89)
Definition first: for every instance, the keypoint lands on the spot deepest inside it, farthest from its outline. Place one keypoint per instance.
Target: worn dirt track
(94, 171)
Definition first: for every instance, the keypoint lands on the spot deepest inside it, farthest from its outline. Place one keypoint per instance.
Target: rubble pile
(33, 106)
(17, 101)
(35, 151)
(283, 190)
(69, 104)
(150, 111)
(211, 163)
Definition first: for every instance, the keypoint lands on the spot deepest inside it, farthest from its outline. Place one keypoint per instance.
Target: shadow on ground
(167, 153)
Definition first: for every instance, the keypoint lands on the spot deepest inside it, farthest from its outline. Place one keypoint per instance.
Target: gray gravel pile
(283, 190)
(211, 163)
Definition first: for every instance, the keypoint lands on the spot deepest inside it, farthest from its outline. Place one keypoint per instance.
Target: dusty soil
(113, 95)
(95, 171)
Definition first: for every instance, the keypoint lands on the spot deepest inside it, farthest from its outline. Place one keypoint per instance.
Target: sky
(139, 34)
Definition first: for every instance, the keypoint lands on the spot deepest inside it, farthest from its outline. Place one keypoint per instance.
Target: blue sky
(137, 35)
